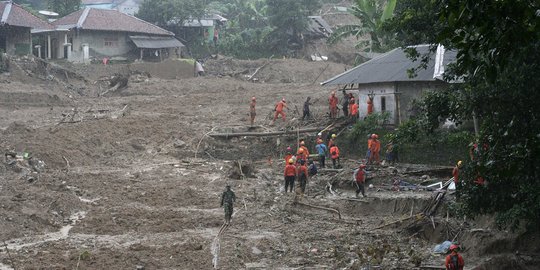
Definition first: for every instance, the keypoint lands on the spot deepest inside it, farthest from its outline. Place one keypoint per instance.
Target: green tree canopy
(161, 12)
(498, 45)
(64, 7)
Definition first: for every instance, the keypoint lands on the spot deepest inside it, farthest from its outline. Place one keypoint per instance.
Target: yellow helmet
(459, 163)
(291, 161)
(334, 136)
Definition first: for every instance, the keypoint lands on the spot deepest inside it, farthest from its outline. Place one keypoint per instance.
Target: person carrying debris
(455, 172)
(359, 178)
(306, 113)
(290, 175)
(252, 111)
(321, 151)
(334, 154)
(303, 174)
(345, 104)
(227, 200)
(375, 149)
(370, 104)
(454, 261)
(333, 102)
(280, 106)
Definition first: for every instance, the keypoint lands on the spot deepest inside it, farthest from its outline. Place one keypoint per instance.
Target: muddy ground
(132, 181)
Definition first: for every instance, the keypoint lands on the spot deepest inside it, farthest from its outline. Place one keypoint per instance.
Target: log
(398, 221)
(262, 134)
(320, 207)
(259, 68)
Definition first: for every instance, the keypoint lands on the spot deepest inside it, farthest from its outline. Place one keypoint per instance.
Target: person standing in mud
(359, 178)
(227, 200)
(306, 113)
(252, 111)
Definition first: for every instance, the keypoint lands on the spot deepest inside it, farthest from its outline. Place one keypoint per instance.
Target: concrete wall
(17, 37)
(408, 91)
(101, 44)
(379, 90)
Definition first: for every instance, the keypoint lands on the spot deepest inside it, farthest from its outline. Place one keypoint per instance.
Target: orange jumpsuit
(354, 110)
(375, 149)
(306, 152)
(279, 110)
(369, 106)
(333, 101)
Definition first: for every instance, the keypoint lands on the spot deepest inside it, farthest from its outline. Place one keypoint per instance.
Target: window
(383, 104)
(111, 42)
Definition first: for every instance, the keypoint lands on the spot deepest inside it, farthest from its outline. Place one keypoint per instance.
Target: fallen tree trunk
(263, 134)
(322, 208)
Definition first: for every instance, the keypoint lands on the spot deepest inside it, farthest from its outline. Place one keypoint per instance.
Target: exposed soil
(132, 180)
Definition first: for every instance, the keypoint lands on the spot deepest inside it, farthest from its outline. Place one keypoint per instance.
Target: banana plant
(370, 31)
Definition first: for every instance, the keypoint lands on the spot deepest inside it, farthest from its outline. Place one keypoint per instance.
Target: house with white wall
(387, 79)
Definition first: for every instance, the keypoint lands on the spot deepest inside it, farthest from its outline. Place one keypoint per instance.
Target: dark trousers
(289, 182)
(346, 109)
(322, 159)
(360, 188)
(306, 115)
(334, 162)
(303, 183)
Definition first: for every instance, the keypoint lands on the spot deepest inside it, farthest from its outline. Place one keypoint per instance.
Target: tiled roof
(13, 14)
(108, 20)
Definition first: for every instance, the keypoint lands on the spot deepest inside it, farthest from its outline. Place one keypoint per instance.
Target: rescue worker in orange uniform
(303, 174)
(288, 154)
(454, 261)
(370, 105)
(455, 172)
(333, 102)
(332, 141)
(303, 146)
(252, 111)
(280, 106)
(290, 175)
(375, 149)
(300, 155)
(368, 153)
(334, 155)
(354, 109)
(359, 177)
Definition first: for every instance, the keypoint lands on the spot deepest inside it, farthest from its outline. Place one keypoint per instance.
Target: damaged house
(386, 79)
(15, 28)
(100, 33)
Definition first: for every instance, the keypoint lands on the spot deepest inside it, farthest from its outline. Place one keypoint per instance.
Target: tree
(372, 14)
(414, 22)
(64, 7)
(289, 19)
(498, 61)
(162, 12)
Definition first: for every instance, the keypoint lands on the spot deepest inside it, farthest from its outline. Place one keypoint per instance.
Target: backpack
(312, 169)
(454, 262)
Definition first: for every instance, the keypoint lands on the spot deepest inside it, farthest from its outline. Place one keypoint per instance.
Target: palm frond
(346, 31)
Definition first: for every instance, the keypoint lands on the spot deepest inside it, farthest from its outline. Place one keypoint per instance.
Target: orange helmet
(301, 150)
(291, 161)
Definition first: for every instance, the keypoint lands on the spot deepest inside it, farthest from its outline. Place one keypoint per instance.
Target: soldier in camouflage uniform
(227, 200)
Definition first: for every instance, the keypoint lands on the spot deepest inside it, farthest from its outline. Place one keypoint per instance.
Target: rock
(256, 251)
(179, 143)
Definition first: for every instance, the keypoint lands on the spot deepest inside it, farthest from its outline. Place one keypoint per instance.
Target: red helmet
(452, 247)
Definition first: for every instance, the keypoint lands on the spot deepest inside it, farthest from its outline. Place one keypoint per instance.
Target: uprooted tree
(498, 61)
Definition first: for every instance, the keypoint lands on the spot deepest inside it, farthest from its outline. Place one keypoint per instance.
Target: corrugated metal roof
(13, 14)
(109, 20)
(318, 26)
(391, 67)
(148, 42)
